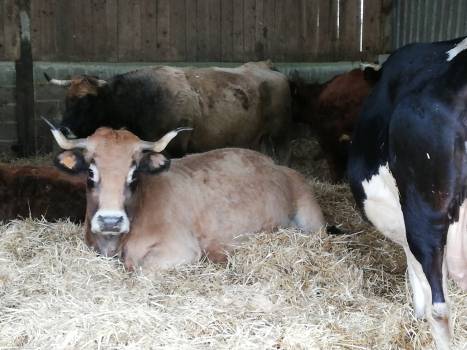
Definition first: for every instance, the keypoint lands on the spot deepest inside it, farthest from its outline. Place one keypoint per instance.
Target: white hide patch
(416, 279)
(457, 49)
(456, 248)
(382, 205)
(440, 310)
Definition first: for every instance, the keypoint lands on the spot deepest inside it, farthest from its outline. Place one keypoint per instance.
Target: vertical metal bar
(411, 22)
(459, 16)
(425, 28)
(419, 20)
(437, 18)
(451, 25)
(25, 83)
(397, 25)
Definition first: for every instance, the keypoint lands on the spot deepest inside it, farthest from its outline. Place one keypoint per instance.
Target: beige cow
(153, 213)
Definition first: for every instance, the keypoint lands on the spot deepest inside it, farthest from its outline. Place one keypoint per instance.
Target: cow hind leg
(308, 216)
(428, 278)
(422, 240)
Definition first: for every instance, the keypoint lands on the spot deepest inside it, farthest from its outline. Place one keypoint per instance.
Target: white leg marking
(457, 49)
(436, 314)
(456, 248)
(440, 310)
(440, 325)
(422, 291)
(418, 294)
(445, 279)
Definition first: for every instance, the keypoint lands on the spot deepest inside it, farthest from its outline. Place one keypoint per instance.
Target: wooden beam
(25, 83)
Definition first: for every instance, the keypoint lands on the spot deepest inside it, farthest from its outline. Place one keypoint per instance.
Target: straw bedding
(280, 290)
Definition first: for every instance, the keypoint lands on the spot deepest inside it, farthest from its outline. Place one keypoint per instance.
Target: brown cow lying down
(332, 109)
(40, 191)
(153, 213)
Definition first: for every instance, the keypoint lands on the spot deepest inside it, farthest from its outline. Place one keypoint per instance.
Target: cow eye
(131, 175)
(93, 174)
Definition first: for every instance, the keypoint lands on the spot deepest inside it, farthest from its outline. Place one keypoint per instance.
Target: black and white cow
(408, 168)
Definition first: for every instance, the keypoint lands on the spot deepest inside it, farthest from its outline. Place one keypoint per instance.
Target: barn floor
(281, 290)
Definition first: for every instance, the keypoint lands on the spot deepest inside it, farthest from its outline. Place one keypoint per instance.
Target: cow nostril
(113, 220)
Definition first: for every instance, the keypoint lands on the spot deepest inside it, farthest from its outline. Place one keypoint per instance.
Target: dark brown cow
(153, 213)
(332, 109)
(40, 191)
(247, 106)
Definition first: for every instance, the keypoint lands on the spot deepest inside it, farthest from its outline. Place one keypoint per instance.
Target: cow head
(85, 105)
(332, 110)
(115, 161)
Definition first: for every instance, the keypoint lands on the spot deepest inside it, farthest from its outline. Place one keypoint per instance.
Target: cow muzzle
(107, 245)
(110, 222)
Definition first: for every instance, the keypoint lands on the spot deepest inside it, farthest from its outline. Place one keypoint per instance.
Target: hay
(281, 290)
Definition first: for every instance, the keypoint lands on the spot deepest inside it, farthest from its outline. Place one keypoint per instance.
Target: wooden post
(25, 83)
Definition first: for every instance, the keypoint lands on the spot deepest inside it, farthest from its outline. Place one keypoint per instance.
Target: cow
(41, 192)
(157, 213)
(331, 109)
(248, 106)
(407, 169)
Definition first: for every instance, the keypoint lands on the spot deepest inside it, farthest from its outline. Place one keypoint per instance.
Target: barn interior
(280, 290)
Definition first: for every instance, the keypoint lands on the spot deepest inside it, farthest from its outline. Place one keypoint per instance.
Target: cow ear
(153, 163)
(71, 161)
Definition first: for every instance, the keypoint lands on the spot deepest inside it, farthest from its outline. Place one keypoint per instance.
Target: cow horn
(61, 139)
(162, 143)
(57, 81)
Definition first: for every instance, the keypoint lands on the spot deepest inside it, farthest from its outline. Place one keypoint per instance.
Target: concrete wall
(49, 99)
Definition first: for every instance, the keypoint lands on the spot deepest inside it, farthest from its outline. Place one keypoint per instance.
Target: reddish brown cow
(332, 110)
(41, 191)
